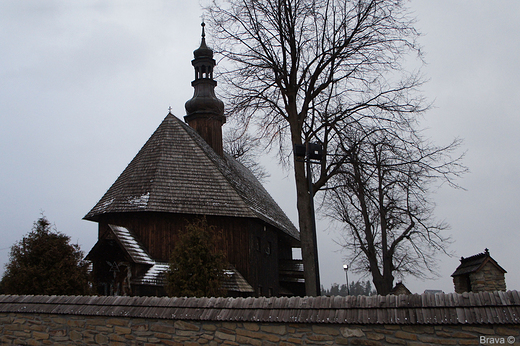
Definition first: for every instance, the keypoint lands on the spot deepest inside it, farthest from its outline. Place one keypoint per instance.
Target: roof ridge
(207, 150)
(474, 257)
(227, 162)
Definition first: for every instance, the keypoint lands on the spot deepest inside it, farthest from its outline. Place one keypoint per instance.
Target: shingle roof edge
(228, 166)
(474, 266)
(467, 308)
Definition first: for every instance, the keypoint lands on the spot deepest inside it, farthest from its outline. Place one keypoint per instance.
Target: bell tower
(205, 112)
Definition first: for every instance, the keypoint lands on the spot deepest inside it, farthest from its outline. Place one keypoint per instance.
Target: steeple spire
(203, 50)
(205, 112)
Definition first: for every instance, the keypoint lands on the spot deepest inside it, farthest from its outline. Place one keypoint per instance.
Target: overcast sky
(83, 84)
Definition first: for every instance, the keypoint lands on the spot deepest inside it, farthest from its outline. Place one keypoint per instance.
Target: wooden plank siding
(237, 237)
(264, 259)
(159, 232)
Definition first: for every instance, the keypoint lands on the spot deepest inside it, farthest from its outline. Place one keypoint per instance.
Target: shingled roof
(130, 245)
(473, 263)
(176, 171)
(485, 308)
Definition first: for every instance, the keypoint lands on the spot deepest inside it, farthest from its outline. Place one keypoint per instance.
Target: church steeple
(205, 112)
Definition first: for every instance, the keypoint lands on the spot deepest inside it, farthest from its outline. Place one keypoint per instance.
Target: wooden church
(180, 174)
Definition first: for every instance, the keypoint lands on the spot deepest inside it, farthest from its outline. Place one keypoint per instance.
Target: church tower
(205, 112)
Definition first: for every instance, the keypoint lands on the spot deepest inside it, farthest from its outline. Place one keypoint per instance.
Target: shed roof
(156, 276)
(400, 288)
(474, 263)
(176, 171)
(468, 308)
(235, 282)
(131, 246)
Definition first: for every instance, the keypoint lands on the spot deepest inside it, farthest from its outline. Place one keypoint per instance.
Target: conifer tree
(44, 262)
(196, 267)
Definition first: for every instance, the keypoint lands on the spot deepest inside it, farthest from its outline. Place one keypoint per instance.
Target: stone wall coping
(433, 309)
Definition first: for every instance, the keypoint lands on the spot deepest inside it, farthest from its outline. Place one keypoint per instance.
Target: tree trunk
(384, 283)
(307, 237)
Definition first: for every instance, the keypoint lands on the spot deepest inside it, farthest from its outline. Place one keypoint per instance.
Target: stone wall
(415, 320)
(54, 329)
(489, 278)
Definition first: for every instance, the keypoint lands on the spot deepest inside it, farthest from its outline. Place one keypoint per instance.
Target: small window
(268, 248)
(270, 292)
(468, 284)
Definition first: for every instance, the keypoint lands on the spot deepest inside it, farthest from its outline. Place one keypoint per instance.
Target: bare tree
(380, 195)
(303, 70)
(244, 148)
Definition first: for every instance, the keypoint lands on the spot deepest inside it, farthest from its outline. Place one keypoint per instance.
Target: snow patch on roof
(156, 274)
(134, 249)
(140, 201)
(106, 204)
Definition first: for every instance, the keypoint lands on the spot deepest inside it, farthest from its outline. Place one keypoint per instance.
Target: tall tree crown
(333, 72)
(313, 63)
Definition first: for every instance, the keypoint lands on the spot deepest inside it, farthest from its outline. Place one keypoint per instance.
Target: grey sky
(84, 84)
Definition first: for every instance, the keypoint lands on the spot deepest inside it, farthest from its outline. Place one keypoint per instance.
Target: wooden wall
(251, 245)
